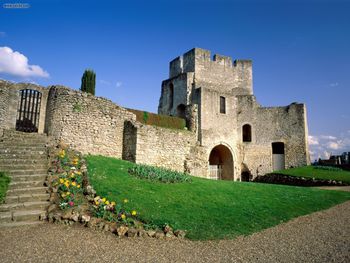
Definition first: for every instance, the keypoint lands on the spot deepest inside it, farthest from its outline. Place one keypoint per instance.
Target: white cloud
(15, 63)
(313, 140)
(322, 146)
(118, 84)
(333, 145)
(327, 137)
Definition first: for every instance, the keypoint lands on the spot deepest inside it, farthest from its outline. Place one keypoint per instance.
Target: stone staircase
(24, 157)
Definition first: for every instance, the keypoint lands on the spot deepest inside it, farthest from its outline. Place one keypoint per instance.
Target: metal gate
(215, 172)
(28, 111)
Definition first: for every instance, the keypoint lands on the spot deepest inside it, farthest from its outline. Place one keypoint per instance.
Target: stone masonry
(229, 134)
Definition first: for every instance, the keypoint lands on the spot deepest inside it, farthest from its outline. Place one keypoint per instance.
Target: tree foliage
(88, 81)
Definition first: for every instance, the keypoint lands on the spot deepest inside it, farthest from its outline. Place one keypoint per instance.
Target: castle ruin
(229, 135)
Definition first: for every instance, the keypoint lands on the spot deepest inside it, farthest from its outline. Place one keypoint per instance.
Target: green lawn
(312, 172)
(4, 182)
(207, 209)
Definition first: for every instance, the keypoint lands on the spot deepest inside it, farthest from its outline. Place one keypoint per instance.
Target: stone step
(26, 198)
(28, 171)
(27, 215)
(24, 141)
(35, 205)
(6, 148)
(22, 152)
(26, 184)
(26, 178)
(28, 190)
(9, 167)
(20, 223)
(28, 156)
(5, 217)
(30, 161)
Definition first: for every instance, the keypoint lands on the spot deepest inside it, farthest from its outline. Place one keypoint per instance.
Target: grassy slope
(312, 172)
(4, 182)
(208, 209)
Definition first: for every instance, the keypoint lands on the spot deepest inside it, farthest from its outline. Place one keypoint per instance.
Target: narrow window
(171, 96)
(247, 133)
(222, 105)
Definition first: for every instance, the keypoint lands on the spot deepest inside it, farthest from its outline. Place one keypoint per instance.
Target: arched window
(247, 133)
(171, 96)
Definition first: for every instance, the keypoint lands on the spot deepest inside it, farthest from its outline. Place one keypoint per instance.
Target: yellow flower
(123, 216)
(68, 193)
(78, 185)
(97, 203)
(66, 183)
(78, 172)
(74, 183)
(107, 202)
(61, 181)
(113, 203)
(133, 212)
(125, 200)
(62, 153)
(103, 199)
(63, 195)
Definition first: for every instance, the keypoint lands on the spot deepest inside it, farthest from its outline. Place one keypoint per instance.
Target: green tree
(88, 81)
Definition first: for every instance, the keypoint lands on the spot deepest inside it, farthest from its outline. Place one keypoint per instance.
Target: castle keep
(228, 136)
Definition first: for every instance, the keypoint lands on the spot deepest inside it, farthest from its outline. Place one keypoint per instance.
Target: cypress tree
(88, 81)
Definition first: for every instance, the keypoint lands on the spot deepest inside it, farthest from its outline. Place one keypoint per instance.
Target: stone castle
(229, 135)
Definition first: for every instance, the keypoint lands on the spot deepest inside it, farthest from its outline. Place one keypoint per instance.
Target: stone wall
(272, 124)
(4, 104)
(159, 146)
(87, 123)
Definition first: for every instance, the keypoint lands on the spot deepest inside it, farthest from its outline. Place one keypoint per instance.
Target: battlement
(197, 58)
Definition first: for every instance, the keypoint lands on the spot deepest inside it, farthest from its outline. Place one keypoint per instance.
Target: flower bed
(75, 201)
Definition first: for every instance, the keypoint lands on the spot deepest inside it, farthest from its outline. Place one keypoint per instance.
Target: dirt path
(319, 237)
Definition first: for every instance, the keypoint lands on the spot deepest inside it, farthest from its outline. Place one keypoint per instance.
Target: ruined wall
(87, 123)
(159, 146)
(9, 101)
(180, 94)
(272, 124)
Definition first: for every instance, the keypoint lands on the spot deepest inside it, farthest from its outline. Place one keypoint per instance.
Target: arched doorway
(28, 111)
(221, 163)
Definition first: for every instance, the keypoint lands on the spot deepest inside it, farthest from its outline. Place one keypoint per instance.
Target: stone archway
(221, 163)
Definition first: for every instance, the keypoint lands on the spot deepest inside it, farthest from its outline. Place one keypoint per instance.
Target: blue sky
(300, 50)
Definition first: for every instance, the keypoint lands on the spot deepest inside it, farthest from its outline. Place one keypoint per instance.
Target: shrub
(158, 174)
(159, 120)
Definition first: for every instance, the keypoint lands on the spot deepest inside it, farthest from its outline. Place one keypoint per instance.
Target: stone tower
(238, 135)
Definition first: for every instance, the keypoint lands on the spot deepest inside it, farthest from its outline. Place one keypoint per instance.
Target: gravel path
(319, 237)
